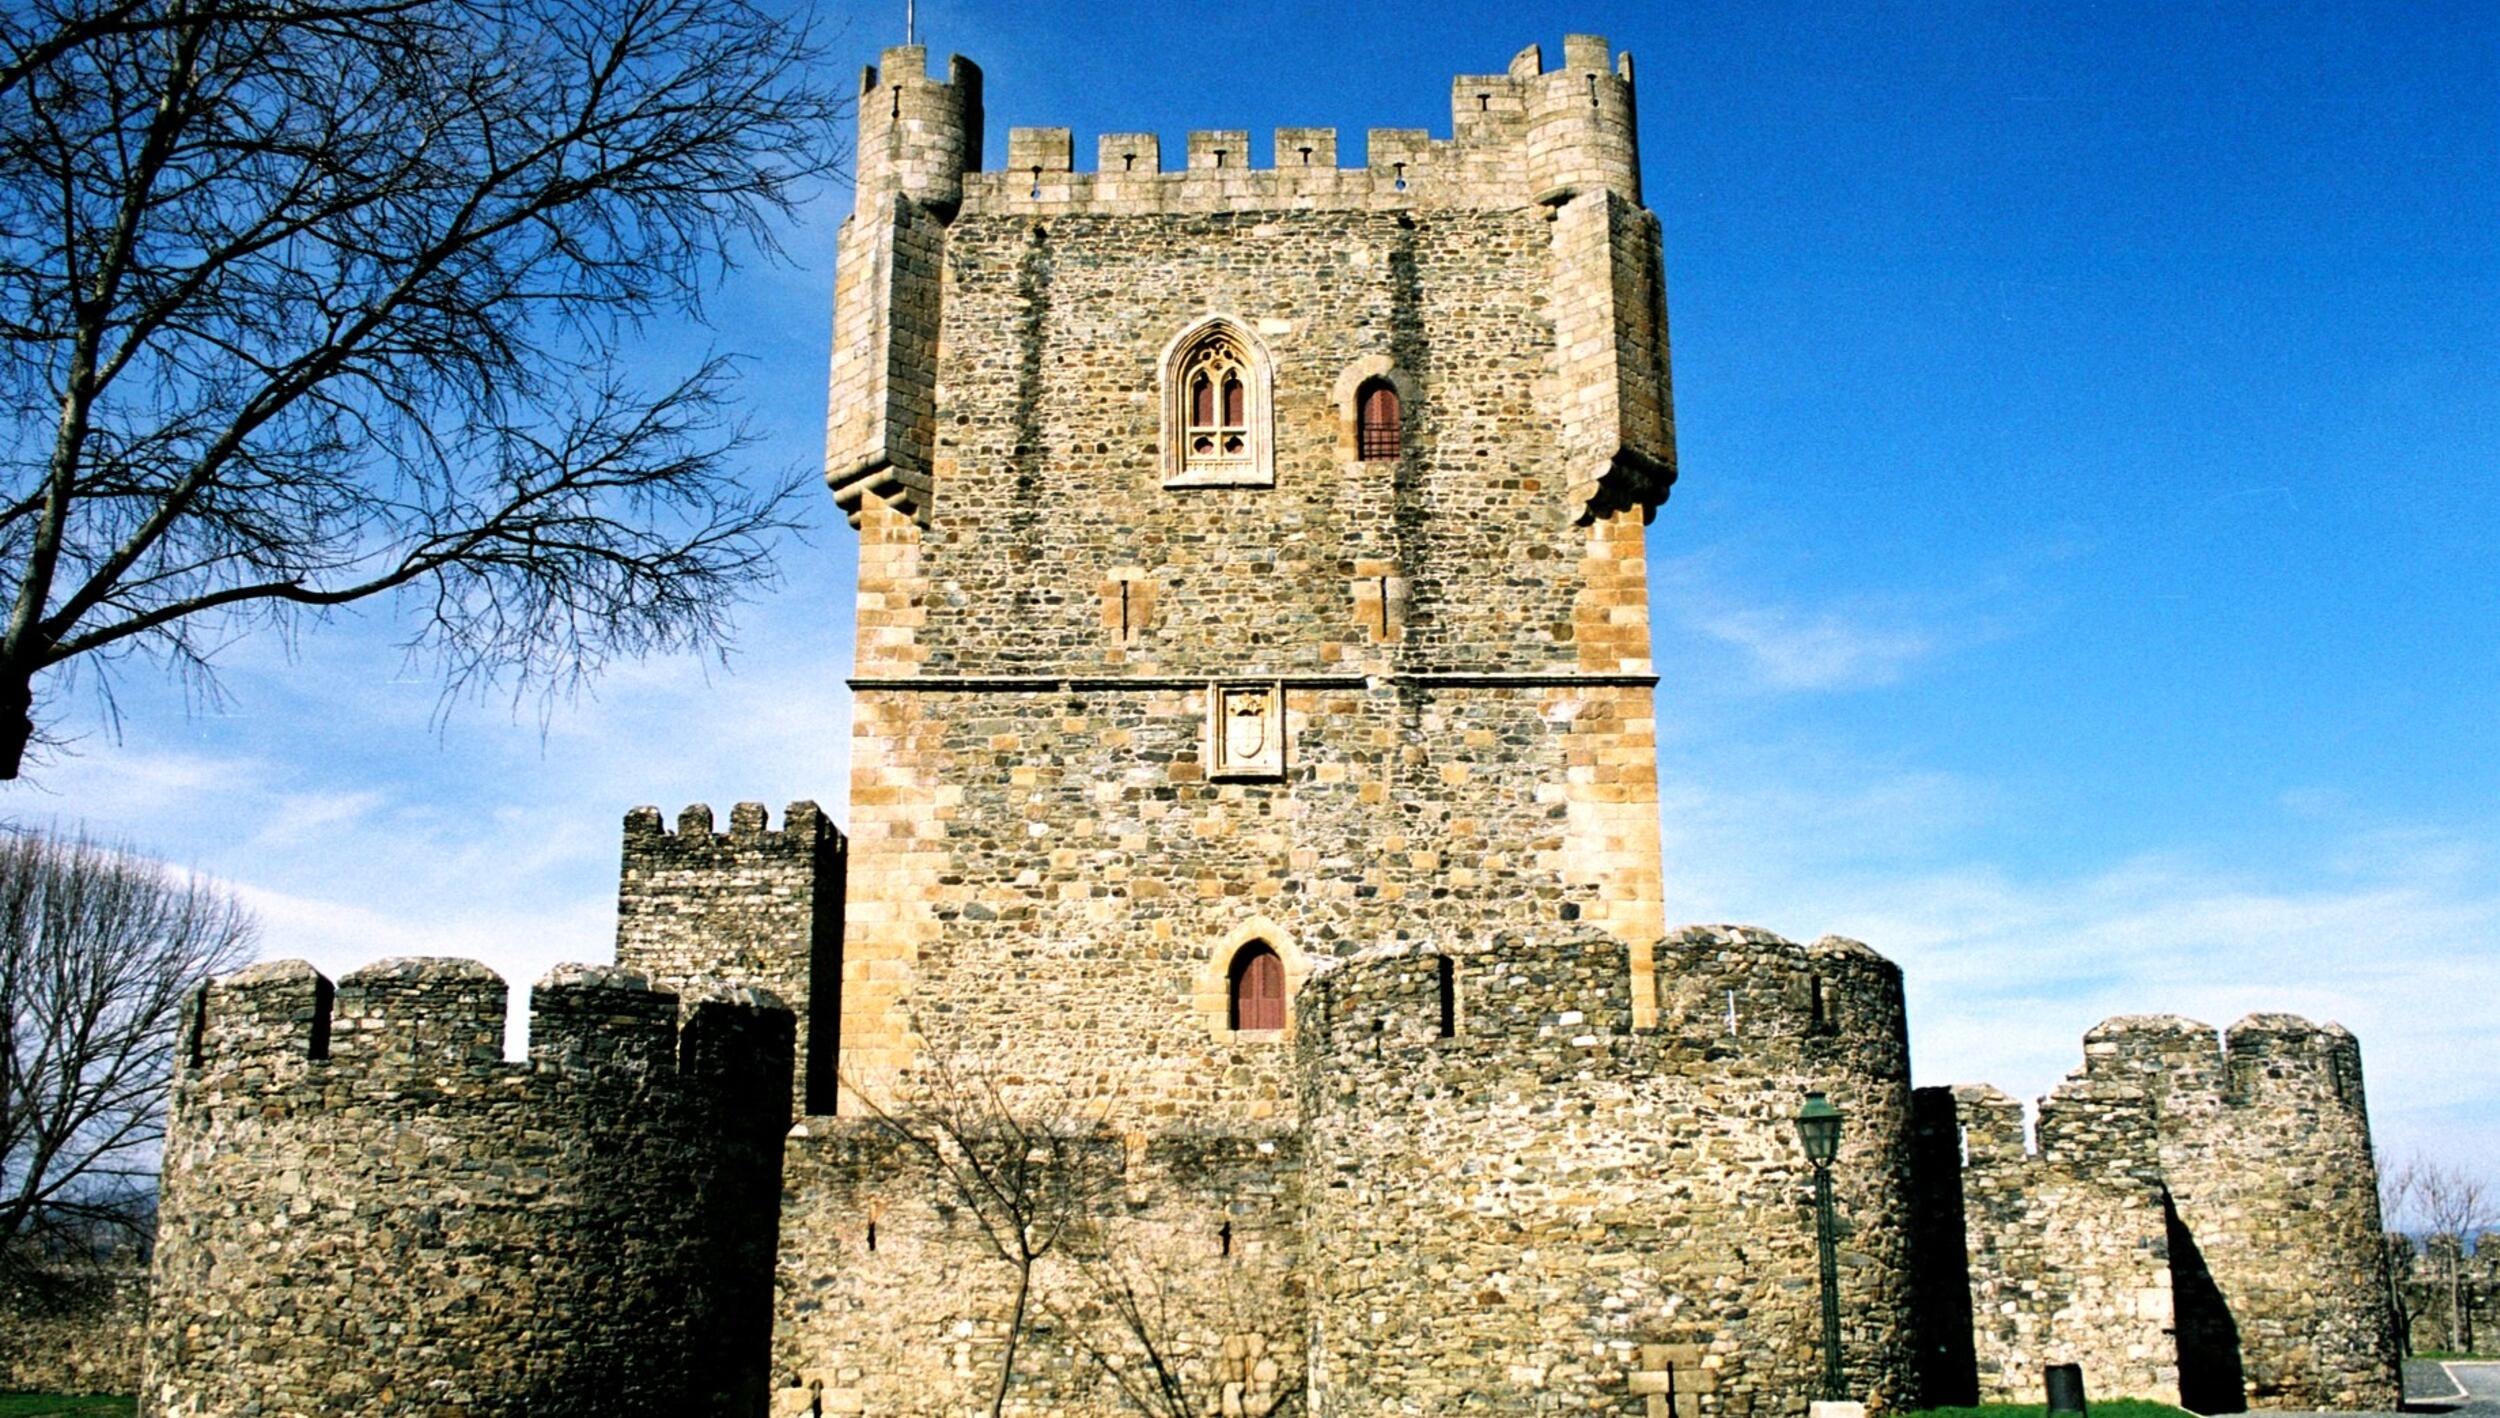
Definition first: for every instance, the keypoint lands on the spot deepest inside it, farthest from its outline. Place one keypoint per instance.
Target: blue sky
(2084, 585)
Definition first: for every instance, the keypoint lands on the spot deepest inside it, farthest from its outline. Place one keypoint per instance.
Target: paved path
(2465, 1390)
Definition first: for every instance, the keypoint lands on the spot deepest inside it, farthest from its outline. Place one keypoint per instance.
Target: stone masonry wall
(2252, 1154)
(2265, 1153)
(367, 1210)
(79, 1332)
(893, 1301)
(2058, 1258)
(1549, 1207)
(746, 907)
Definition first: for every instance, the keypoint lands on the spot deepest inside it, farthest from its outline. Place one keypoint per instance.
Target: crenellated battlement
(805, 827)
(1504, 994)
(1735, 982)
(1527, 135)
(2262, 1060)
(362, 1197)
(918, 136)
(441, 1019)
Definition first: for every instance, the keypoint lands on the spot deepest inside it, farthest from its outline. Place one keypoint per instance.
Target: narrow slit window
(1378, 433)
(1449, 997)
(1258, 989)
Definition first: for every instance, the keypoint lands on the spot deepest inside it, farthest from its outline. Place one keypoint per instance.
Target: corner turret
(917, 136)
(1582, 133)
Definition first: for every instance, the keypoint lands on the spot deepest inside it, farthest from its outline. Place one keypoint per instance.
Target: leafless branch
(304, 303)
(99, 947)
(1034, 1174)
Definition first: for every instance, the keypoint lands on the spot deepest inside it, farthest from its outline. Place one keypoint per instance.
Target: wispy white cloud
(1792, 649)
(2392, 931)
(1745, 605)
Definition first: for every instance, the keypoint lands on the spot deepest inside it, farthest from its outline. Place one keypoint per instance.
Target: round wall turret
(367, 1210)
(1518, 1200)
(1582, 133)
(917, 136)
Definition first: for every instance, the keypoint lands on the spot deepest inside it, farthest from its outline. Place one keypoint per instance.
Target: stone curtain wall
(366, 1210)
(893, 1302)
(79, 1333)
(751, 906)
(2058, 1258)
(2249, 1159)
(1548, 1206)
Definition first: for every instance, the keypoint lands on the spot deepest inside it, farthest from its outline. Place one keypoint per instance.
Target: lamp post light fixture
(1818, 1127)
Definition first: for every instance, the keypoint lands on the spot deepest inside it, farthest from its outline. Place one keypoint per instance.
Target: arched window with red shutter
(1377, 430)
(1258, 988)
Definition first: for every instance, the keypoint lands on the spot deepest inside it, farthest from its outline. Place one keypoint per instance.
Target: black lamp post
(1818, 1126)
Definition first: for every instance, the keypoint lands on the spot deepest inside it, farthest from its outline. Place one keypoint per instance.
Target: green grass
(53, 1405)
(2453, 1357)
(2101, 1408)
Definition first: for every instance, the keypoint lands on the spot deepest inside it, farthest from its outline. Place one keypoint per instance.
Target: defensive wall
(1176, 1249)
(2198, 1223)
(367, 1210)
(1520, 1199)
(75, 1330)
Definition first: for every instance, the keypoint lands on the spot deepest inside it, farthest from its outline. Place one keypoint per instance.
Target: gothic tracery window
(1216, 417)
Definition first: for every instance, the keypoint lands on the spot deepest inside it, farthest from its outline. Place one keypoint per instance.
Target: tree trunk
(1015, 1331)
(17, 720)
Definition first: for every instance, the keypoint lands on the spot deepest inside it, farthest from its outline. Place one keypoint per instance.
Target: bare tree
(1034, 1174)
(1141, 1319)
(99, 947)
(309, 301)
(2455, 1207)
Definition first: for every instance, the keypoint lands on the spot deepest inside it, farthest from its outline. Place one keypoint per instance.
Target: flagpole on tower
(908, 25)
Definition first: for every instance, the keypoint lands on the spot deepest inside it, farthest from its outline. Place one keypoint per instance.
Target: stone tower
(1144, 684)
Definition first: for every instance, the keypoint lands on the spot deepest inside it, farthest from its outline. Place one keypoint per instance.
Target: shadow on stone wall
(1948, 1358)
(2210, 1376)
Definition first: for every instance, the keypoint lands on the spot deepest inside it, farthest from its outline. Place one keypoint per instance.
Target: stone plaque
(1246, 730)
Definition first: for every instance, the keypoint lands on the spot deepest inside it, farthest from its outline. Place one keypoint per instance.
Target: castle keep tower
(1253, 737)
(1250, 568)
